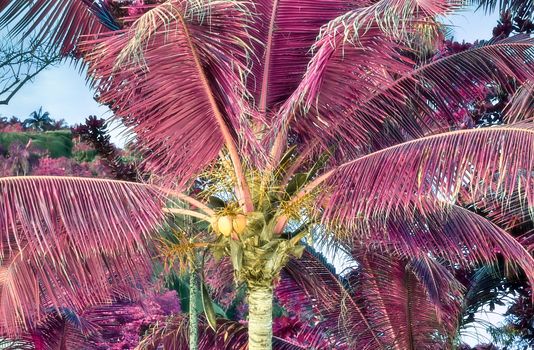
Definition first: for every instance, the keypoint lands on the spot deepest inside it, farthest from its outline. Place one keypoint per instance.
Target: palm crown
(297, 116)
(39, 120)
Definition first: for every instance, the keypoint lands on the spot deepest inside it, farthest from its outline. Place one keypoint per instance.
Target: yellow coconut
(240, 223)
(225, 225)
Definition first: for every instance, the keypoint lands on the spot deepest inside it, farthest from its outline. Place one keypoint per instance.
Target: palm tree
(39, 121)
(293, 119)
(522, 8)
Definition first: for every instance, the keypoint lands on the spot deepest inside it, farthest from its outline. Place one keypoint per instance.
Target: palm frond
(16, 344)
(511, 215)
(369, 307)
(57, 24)
(392, 17)
(63, 330)
(175, 77)
(483, 287)
(520, 7)
(391, 180)
(285, 31)
(357, 53)
(56, 250)
(521, 104)
(446, 237)
(396, 296)
(174, 335)
(230, 335)
(309, 280)
(380, 109)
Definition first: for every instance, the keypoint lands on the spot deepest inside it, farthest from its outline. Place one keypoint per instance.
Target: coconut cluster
(230, 225)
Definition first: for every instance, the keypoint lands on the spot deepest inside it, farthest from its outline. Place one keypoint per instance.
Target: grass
(57, 143)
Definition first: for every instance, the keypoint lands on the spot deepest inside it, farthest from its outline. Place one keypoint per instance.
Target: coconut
(240, 223)
(225, 225)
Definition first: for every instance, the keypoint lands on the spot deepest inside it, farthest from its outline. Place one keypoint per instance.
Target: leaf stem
(186, 212)
(243, 189)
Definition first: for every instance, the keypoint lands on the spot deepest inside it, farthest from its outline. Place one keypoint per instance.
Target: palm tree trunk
(193, 312)
(260, 318)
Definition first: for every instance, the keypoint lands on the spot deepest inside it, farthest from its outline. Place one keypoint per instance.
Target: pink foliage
(124, 327)
(136, 8)
(12, 128)
(61, 167)
(81, 147)
(18, 160)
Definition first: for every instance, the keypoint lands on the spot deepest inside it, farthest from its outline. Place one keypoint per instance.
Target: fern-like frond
(386, 100)
(176, 78)
(57, 24)
(391, 180)
(58, 250)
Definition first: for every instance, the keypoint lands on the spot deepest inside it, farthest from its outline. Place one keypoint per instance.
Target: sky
(62, 91)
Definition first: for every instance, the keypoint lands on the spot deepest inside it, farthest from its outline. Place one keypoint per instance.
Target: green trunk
(260, 318)
(193, 312)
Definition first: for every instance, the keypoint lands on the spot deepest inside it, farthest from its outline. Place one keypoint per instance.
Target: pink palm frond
(439, 166)
(175, 78)
(57, 23)
(56, 249)
(309, 280)
(367, 309)
(395, 293)
(285, 31)
(390, 99)
(446, 236)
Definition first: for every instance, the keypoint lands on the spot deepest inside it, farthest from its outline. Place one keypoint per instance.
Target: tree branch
(19, 64)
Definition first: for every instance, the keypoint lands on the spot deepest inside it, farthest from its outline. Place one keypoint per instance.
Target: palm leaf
(14, 344)
(511, 215)
(360, 108)
(521, 104)
(285, 31)
(175, 78)
(229, 335)
(520, 7)
(446, 237)
(174, 335)
(438, 166)
(57, 250)
(483, 287)
(63, 330)
(396, 295)
(357, 53)
(393, 17)
(309, 280)
(368, 308)
(58, 24)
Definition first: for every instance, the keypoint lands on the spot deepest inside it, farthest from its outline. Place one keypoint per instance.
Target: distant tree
(39, 121)
(12, 124)
(95, 132)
